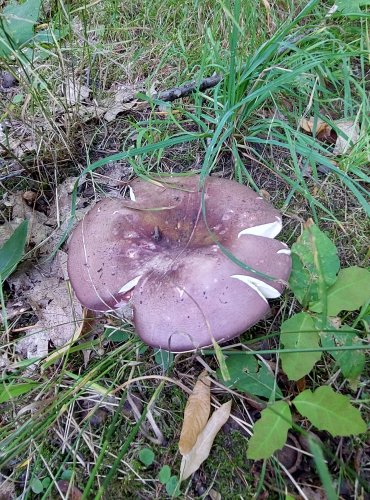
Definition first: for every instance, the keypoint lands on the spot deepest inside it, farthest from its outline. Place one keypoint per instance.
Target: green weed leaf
(299, 332)
(115, 334)
(311, 247)
(350, 362)
(146, 456)
(249, 375)
(349, 292)
(173, 487)
(36, 486)
(11, 391)
(348, 7)
(16, 25)
(163, 358)
(164, 474)
(11, 252)
(271, 431)
(330, 411)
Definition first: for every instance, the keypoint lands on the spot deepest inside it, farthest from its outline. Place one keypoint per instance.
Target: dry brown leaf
(74, 92)
(196, 413)
(352, 131)
(200, 451)
(59, 312)
(308, 125)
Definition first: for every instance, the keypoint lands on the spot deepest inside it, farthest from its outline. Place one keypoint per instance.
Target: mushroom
(188, 279)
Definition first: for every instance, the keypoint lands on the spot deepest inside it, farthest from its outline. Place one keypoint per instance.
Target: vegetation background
(80, 115)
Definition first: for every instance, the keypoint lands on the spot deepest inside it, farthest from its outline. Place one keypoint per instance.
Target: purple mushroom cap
(156, 253)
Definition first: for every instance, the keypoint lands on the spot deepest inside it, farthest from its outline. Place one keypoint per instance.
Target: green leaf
(271, 431)
(349, 292)
(18, 99)
(36, 486)
(350, 362)
(115, 335)
(330, 411)
(249, 375)
(17, 22)
(46, 482)
(146, 456)
(11, 391)
(163, 358)
(67, 475)
(348, 7)
(299, 332)
(322, 469)
(173, 487)
(312, 246)
(11, 252)
(164, 474)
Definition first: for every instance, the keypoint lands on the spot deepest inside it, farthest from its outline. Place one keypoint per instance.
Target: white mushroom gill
(269, 230)
(264, 290)
(129, 285)
(285, 251)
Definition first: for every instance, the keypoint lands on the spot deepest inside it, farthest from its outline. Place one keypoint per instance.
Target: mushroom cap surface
(181, 274)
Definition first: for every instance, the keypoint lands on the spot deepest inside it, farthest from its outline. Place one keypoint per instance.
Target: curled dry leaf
(324, 132)
(196, 413)
(351, 130)
(200, 451)
(316, 126)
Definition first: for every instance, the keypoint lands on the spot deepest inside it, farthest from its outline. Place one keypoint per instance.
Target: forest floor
(88, 410)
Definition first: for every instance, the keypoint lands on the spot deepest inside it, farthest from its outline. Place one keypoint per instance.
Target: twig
(188, 88)
(13, 174)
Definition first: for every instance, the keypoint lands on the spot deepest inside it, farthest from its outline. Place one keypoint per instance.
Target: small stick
(188, 88)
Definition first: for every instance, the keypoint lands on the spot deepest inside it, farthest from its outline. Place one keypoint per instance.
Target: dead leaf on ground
(349, 129)
(66, 488)
(316, 126)
(196, 413)
(7, 489)
(59, 313)
(326, 133)
(200, 451)
(314, 493)
(74, 92)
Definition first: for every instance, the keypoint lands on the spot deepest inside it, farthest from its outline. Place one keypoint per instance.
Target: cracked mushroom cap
(182, 279)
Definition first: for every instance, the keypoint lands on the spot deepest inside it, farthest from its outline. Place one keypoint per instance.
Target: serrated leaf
(249, 375)
(311, 247)
(18, 20)
(200, 451)
(299, 332)
(196, 413)
(350, 362)
(11, 252)
(270, 432)
(349, 292)
(330, 411)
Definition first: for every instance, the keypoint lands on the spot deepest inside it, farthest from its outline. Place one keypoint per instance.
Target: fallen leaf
(73, 492)
(349, 129)
(200, 451)
(74, 92)
(196, 413)
(53, 302)
(316, 126)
